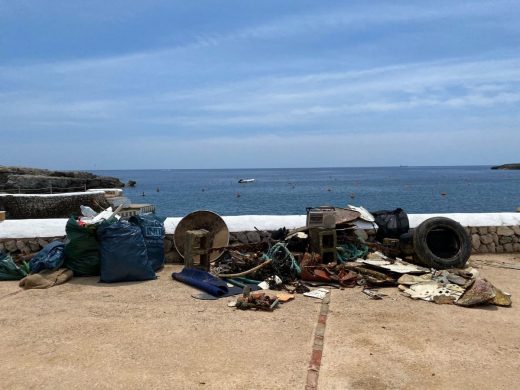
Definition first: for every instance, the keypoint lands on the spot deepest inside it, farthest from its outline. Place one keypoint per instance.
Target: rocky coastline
(35, 180)
(41, 193)
(508, 167)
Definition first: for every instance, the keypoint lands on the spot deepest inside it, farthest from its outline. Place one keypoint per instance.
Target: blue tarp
(203, 281)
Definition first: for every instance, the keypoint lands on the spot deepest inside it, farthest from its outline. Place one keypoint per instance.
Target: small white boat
(247, 181)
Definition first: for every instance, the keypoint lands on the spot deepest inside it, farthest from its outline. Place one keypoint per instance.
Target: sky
(124, 84)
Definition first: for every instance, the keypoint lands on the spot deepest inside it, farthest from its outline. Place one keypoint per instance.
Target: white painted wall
(28, 228)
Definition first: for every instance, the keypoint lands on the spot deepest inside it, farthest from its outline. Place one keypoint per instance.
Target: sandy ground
(399, 343)
(151, 334)
(154, 335)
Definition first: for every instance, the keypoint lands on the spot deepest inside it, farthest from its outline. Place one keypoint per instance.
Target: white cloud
(282, 101)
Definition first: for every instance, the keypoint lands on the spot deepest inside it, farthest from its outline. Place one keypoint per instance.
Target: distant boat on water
(241, 181)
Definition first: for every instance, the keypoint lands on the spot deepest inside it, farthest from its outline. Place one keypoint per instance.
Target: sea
(460, 189)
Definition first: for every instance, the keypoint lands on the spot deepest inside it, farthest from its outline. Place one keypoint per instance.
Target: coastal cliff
(507, 166)
(33, 180)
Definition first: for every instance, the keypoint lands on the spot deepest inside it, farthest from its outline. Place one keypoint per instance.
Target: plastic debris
(284, 297)
(408, 279)
(373, 293)
(319, 293)
(9, 270)
(50, 257)
(427, 291)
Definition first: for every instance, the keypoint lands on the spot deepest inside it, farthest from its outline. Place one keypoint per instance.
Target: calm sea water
(290, 191)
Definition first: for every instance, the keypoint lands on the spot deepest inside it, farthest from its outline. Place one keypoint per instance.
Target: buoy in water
(444, 193)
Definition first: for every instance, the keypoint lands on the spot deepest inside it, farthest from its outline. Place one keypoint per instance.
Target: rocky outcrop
(507, 166)
(31, 180)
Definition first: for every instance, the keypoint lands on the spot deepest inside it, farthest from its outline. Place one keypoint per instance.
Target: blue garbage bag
(123, 253)
(51, 256)
(153, 231)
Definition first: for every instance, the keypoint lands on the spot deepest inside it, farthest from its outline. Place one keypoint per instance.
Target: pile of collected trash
(97, 244)
(333, 250)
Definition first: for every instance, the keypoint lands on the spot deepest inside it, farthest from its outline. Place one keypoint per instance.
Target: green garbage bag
(9, 270)
(81, 249)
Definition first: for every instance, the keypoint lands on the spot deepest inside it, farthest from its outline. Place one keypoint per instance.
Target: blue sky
(237, 84)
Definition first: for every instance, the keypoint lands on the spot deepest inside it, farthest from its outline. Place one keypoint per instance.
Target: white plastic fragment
(319, 293)
(427, 291)
(263, 285)
(86, 211)
(364, 213)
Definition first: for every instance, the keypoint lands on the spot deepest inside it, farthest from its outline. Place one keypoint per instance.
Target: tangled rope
(351, 252)
(284, 263)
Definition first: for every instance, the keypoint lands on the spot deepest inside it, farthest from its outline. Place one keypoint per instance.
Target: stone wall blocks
(505, 240)
(242, 237)
(23, 247)
(168, 245)
(253, 236)
(505, 231)
(42, 242)
(475, 241)
(10, 246)
(486, 239)
(33, 245)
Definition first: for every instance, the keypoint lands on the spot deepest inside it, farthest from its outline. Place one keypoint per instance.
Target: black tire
(441, 243)
(406, 244)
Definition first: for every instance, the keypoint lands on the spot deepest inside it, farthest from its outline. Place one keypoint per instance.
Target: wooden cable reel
(203, 219)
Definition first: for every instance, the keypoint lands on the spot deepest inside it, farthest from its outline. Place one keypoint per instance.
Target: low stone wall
(495, 239)
(485, 239)
(26, 246)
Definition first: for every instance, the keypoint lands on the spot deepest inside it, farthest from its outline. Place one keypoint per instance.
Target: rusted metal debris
(256, 300)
